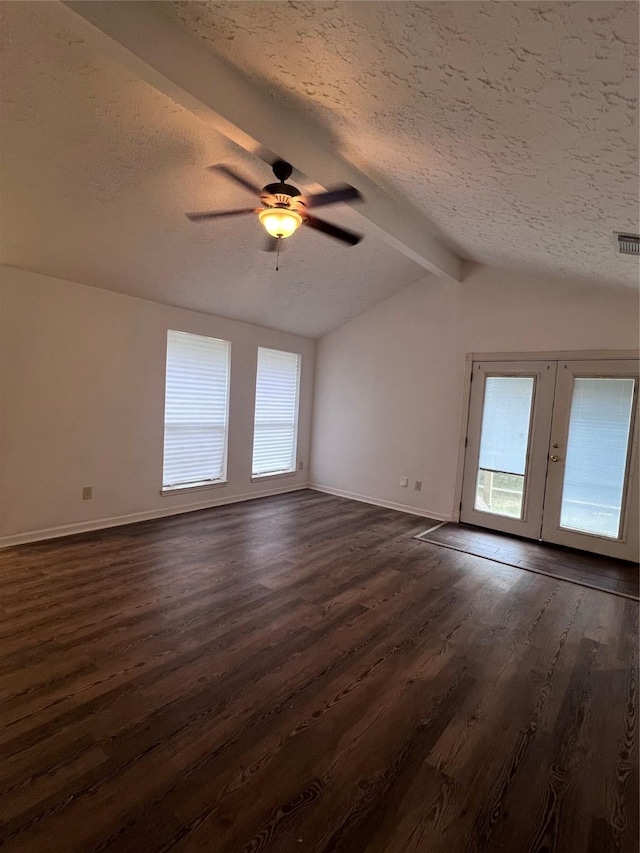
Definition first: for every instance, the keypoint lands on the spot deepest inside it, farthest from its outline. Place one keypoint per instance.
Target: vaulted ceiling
(504, 133)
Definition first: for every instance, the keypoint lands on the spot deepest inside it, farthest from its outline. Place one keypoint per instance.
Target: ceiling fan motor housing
(279, 194)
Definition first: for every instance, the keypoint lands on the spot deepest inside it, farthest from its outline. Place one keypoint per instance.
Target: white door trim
(462, 444)
(558, 355)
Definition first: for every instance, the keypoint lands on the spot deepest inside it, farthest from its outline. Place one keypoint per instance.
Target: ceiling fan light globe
(279, 222)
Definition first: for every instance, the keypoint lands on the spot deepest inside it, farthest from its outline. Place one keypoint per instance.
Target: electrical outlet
(418, 486)
(404, 482)
(87, 493)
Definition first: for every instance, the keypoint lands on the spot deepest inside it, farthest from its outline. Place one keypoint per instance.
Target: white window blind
(276, 415)
(506, 418)
(596, 457)
(195, 409)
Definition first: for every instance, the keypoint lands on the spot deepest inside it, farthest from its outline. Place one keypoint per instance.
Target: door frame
(626, 546)
(543, 374)
(555, 355)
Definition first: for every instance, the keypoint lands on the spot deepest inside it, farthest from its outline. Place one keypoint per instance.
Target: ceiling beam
(146, 38)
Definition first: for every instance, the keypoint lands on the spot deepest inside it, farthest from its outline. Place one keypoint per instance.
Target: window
(276, 418)
(195, 410)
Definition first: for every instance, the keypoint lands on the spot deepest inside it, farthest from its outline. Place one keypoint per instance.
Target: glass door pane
(504, 444)
(591, 499)
(507, 444)
(596, 456)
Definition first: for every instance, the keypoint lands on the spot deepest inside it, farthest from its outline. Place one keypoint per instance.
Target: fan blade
(333, 230)
(214, 214)
(342, 193)
(235, 176)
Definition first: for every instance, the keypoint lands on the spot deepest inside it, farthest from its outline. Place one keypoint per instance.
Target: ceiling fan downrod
(282, 170)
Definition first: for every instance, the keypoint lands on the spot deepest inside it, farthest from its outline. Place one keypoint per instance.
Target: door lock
(555, 458)
(555, 446)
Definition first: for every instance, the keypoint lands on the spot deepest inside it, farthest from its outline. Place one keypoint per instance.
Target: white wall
(82, 404)
(389, 385)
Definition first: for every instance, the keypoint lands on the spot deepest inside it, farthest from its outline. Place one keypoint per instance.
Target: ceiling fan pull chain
(278, 253)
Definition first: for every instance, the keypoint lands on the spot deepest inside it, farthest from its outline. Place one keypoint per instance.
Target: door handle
(554, 458)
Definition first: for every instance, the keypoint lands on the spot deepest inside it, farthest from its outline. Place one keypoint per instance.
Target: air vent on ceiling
(628, 244)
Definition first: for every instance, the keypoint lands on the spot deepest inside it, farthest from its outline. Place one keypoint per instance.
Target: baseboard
(353, 496)
(133, 518)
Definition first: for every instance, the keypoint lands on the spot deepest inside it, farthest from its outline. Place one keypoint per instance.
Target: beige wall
(82, 392)
(82, 403)
(390, 384)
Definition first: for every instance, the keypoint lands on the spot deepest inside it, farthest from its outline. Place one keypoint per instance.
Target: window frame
(290, 472)
(222, 480)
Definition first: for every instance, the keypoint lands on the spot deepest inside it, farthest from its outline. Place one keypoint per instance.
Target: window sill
(258, 478)
(194, 487)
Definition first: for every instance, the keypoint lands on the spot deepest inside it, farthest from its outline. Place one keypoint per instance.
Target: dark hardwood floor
(619, 577)
(299, 674)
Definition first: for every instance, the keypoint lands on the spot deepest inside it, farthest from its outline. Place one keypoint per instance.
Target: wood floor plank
(299, 673)
(617, 576)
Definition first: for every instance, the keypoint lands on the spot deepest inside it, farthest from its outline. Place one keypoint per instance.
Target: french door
(551, 453)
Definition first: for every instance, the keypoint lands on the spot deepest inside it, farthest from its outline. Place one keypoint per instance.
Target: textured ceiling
(513, 126)
(98, 168)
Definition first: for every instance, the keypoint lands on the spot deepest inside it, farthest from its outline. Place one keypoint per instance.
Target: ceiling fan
(284, 207)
